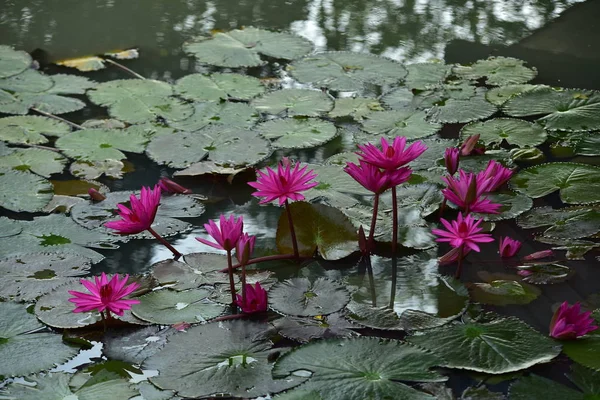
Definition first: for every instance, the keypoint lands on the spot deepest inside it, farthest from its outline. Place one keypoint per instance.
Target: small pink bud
(538, 255)
(524, 272)
(96, 195)
(244, 248)
(451, 158)
(508, 247)
(468, 146)
(169, 186)
(181, 326)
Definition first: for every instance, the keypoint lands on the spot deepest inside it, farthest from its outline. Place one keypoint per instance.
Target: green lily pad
(318, 227)
(502, 292)
(112, 92)
(70, 84)
(29, 276)
(462, 111)
(512, 205)
(497, 71)
(56, 386)
(218, 86)
(561, 109)
(22, 191)
(299, 394)
(585, 379)
(300, 297)
(229, 358)
(138, 110)
(136, 344)
(424, 76)
(355, 107)
(514, 131)
(9, 227)
(433, 156)
(39, 161)
(346, 71)
(577, 183)
(101, 144)
(534, 386)
(227, 114)
(426, 197)
(241, 48)
(408, 123)
(320, 327)
(565, 223)
(586, 350)
(335, 188)
(31, 129)
(167, 307)
(21, 102)
(500, 95)
(29, 80)
(231, 146)
(403, 98)
(294, 102)
(294, 133)
(20, 350)
(588, 145)
(13, 62)
(543, 273)
(576, 248)
(199, 269)
(95, 169)
(496, 347)
(26, 243)
(361, 368)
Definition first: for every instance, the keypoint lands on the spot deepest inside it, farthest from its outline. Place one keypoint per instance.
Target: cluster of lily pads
(326, 332)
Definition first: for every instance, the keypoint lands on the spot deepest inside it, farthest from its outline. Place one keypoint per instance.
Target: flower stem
(442, 208)
(265, 259)
(176, 254)
(231, 283)
(394, 220)
(124, 68)
(394, 280)
(243, 283)
(292, 231)
(460, 262)
(371, 281)
(47, 114)
(371, 240)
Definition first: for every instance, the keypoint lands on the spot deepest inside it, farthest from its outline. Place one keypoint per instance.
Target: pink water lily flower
(244, 248)
(105, 295)
(284, 184)
(391, 156)
(466, 191)
(256, 299)
(508, 247)
(569, 322)
(374, 179)
(451, 159)
(141, 215)
(463, 232)
(170, 186)
(226, 234)
(493, 176)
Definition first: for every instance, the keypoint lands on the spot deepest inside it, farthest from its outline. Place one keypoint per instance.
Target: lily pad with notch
(101, 144)
(295, 133)
(39, 161)
(318, 327)
(497, 71)
(389, 124)
(95, 169)
(112, 92)
(199, 269)
(565, 223)
(299, 297)
(218, 86)
(500, 95)
(514, 131)
(424, 76)
(294, 102)
(226, 115)
(31, 129)
(533, 386)
(502, 292)
(544, 273)
(462, 110)
(355, 107)
(13, 62)
(134, 345)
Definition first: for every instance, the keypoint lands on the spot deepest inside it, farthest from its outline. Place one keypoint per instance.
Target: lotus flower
(569, 322)
(256, 299)
(142, 213)
(463, 232)
(466, 191)
(169, 186)
(283, 184)
(104, 295)
(244, 248)
(392, 156)
(493, 176)
(508, 247)
(375, 180)
(451, 157)
(226, 235)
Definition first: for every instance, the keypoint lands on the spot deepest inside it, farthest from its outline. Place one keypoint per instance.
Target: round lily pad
(502, 292)
(13, 62)
(355, 107)
(31, 129)
(137, 110)
(462, 111)
(346, 71)
(497, 71)
(424, 76)
(514, 131)
(101, 144)
(302, 298)
(227, 114)
(532, 386)
(408, 123)
(95, 169)
(136, 344)
(318, 327)
(512, 205)
(22, 191)
(199, 269)
(544, 273)
(9, 227)
(564, 223)
(293, 133)
(218, 86)
(500, 95)
(39, 161)
(30, 80)
(335, 187)
(70, 84)
(291, 102)
(112, 92)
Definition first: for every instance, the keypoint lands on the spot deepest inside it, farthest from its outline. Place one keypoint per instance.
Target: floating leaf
(562, 109)
(26, 244)
(585, 379)
(361, 368)
(39, 161)
(294, 102)
(166, 307)
(135, 345)
(346, 71)
(229, 115)
(22, 191)
(565, 223)
(498, 71)
(496, 347)
(199, 87)
(83, 64)
(588, 145)
(13, 62)
(514, 131)
(335, 187)
(300, 297)
(534, 386)
(229, 358)
(231, 146)
(62, 204)
(408, 123)
(318, 327)
(426, 197)
(112, 92)
(199, 269)
(425, 76)
(500, 95)
(578, 183)
(20, 350)
(31, 129)
(9, 227)
(512, 205)
(45, 101)
(543, 273)
(29, 276)
(461, 111)
(318, 227)
(209, 167)
(502, 292)
(138, 110)
(241, 48)
(29, 80)
(101, 144)
(576, 249)
(293, 133)
(586, 350)
(95, 169)
(70, 84)
(355, 107)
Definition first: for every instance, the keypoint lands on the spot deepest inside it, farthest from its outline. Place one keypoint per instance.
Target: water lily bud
(469, 144)
(169, 186)
(471, 192)
(96, 195)
(538, 255)
(451, 158)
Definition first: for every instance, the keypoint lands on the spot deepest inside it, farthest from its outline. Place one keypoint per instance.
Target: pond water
(404, 30)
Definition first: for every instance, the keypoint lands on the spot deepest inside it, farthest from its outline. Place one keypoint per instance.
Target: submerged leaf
(83, 64)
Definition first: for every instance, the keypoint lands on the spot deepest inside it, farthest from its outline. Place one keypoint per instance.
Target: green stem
(394, 220)
(292, 231)
(176, 254)
(231, 282)
(47, 114)
(124, 68)
(460, 262)
(371, 240)
(275, 257)
(244, 284)
(394, 280)
(371, 281)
